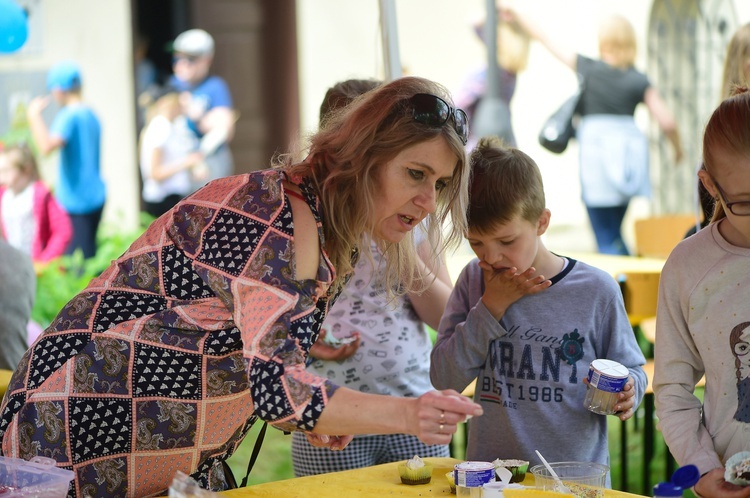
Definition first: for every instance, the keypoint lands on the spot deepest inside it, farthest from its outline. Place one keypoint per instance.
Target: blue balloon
(13, 26)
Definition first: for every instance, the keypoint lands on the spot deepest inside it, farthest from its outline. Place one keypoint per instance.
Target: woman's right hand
(436, 414)
(713, 485)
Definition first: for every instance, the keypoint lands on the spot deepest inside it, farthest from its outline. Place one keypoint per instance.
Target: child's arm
(463, 335)
(44, 141)
(160, 171)
(677, 368)
(664, 117)
(466, 329)
(431, 303)
(529, 24)
(61, 230)
(618, 343)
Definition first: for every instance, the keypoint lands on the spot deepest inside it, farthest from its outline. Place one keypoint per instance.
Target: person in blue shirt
(207, 100)
(76, 132)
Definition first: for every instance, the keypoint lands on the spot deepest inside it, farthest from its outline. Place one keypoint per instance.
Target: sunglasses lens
(188, 58)
(430, 110)
(461, 125)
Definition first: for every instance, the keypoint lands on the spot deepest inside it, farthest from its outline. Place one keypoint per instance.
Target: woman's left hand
(335, 443)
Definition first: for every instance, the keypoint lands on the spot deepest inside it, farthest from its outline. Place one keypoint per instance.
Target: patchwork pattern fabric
(165, 360)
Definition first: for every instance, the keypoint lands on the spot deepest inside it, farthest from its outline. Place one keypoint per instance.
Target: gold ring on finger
(440, 429)
(442, 417)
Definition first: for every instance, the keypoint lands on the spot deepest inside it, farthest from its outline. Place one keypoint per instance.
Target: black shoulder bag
(559, 129)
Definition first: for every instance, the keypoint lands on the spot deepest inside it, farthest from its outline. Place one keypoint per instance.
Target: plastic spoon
(559, 486)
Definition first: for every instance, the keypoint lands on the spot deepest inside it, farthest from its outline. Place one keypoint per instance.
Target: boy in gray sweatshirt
(526, 323)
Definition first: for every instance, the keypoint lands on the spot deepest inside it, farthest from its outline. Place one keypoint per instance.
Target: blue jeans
(85, 227)
(606, 222)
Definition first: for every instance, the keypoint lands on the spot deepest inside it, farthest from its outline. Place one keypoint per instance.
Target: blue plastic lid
(686, 476)
(667, 489)
(683, 478)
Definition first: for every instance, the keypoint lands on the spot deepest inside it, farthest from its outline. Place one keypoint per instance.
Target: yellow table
(377, 481)
(614, 265)
(4, 381)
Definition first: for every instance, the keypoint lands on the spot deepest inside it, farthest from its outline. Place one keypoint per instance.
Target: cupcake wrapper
(421, 475)
(730, 469)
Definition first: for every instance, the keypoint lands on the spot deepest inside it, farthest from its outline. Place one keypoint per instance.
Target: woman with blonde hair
(737, 61)
(512, 51)
(205, 323)
(613, 151)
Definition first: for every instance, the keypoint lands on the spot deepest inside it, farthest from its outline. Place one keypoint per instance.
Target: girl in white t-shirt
(170, 159)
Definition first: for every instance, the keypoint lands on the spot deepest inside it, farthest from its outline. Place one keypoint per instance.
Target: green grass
(274, 461)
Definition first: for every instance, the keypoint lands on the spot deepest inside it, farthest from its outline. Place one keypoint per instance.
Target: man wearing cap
(76, 132)
(208, 101)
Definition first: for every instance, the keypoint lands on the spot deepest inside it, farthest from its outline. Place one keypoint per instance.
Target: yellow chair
(640, 291)
(655, 237)
(4, 381)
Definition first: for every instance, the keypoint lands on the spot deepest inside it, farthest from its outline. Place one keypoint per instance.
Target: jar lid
(667, 489)
(611, 368)
(686, 476)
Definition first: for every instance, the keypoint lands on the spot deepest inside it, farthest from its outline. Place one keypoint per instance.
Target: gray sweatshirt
(17, 291)
(703, 327)
(530, 366)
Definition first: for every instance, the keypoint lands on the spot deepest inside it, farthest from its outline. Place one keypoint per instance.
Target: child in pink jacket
(30, 217)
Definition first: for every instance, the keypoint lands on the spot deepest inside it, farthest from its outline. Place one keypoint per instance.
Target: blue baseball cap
(65, 76)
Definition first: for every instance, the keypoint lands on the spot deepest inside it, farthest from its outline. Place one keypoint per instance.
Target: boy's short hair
(505, 182)
(342, 93)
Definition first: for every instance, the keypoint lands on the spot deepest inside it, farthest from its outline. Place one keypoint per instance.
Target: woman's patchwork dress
(165, 360)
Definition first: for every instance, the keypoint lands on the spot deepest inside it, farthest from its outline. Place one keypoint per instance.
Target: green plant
(60, 280)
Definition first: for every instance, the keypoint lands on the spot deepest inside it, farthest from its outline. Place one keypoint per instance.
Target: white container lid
(610, 368)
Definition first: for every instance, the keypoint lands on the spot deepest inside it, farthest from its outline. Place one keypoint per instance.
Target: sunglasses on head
(185, 57)
(433, 111)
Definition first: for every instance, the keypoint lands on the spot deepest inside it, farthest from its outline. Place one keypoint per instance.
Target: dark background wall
(255, 53)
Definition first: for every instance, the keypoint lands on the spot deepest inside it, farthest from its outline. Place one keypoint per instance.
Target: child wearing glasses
(526, 323)
(204, 324)
(703, 317)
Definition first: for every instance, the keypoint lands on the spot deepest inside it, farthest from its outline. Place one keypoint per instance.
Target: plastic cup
(584, 479)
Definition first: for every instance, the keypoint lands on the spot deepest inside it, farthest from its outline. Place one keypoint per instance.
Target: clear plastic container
(38, 478)
(583, 479)
(606, 379)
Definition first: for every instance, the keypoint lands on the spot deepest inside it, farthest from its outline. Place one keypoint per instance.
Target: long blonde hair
(512, 47)
(344, 160)
(736, 61)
